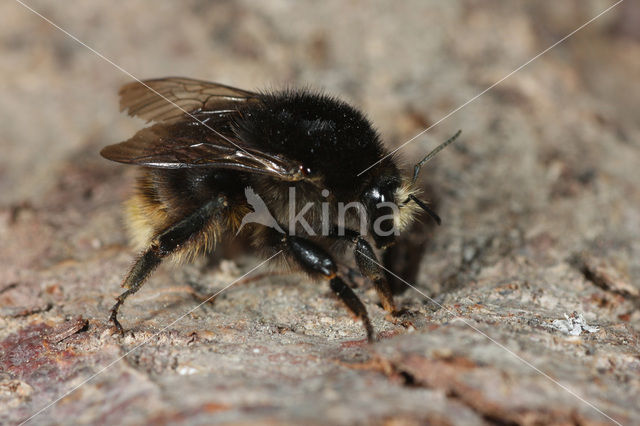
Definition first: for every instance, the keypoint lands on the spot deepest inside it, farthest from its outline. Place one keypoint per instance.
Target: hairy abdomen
(164, 197)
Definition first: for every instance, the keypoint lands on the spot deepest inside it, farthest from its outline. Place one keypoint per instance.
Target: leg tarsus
(134, 280)
(113, 318)
(114, 310)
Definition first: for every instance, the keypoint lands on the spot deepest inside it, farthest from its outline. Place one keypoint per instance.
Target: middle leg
(314, 260)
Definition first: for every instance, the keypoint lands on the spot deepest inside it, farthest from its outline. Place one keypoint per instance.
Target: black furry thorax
(331, 138)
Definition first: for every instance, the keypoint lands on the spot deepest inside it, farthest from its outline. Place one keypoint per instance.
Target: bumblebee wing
(190, 144)
(169, 99)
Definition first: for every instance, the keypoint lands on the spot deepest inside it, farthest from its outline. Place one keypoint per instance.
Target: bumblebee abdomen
(164, 197)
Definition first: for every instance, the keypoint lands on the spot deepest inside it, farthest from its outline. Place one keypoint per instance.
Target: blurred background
(540, 197)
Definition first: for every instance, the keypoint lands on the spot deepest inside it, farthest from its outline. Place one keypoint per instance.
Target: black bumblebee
(212, 146)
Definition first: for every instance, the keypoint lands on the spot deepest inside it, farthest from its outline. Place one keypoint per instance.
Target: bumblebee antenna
(425, 207)
(417, 167)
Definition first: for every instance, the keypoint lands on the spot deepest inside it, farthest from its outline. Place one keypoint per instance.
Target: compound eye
(381, 195)
(304, 171)
(384, 197)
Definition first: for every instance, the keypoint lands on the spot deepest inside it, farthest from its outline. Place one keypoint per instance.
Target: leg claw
(114, 320)
(118, 328)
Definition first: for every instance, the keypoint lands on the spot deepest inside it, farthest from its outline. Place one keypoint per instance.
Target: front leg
(371, 269)
(317, 262)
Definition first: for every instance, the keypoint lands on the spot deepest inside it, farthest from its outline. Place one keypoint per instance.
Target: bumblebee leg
(167, 242)
(316, 261)
(354, 304)
(134, 280)
(370, 268)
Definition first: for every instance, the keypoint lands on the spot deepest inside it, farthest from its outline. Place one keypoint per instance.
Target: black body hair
(327, 135)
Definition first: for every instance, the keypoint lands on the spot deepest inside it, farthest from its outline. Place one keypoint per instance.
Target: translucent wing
(169, 99)
(189, 144)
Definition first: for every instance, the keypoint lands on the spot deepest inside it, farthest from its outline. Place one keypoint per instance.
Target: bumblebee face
(382, 208)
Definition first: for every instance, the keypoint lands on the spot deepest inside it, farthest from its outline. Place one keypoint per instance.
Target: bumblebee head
(392, 202)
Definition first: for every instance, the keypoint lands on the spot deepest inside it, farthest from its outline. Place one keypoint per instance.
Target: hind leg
(169, 241)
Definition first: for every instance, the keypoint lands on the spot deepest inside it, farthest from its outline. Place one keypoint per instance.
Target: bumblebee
(213, 149)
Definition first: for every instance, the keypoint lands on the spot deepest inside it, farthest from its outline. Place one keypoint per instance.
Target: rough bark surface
(540, 200)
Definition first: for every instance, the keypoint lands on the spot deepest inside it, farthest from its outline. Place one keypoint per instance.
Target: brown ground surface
(540, 200)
